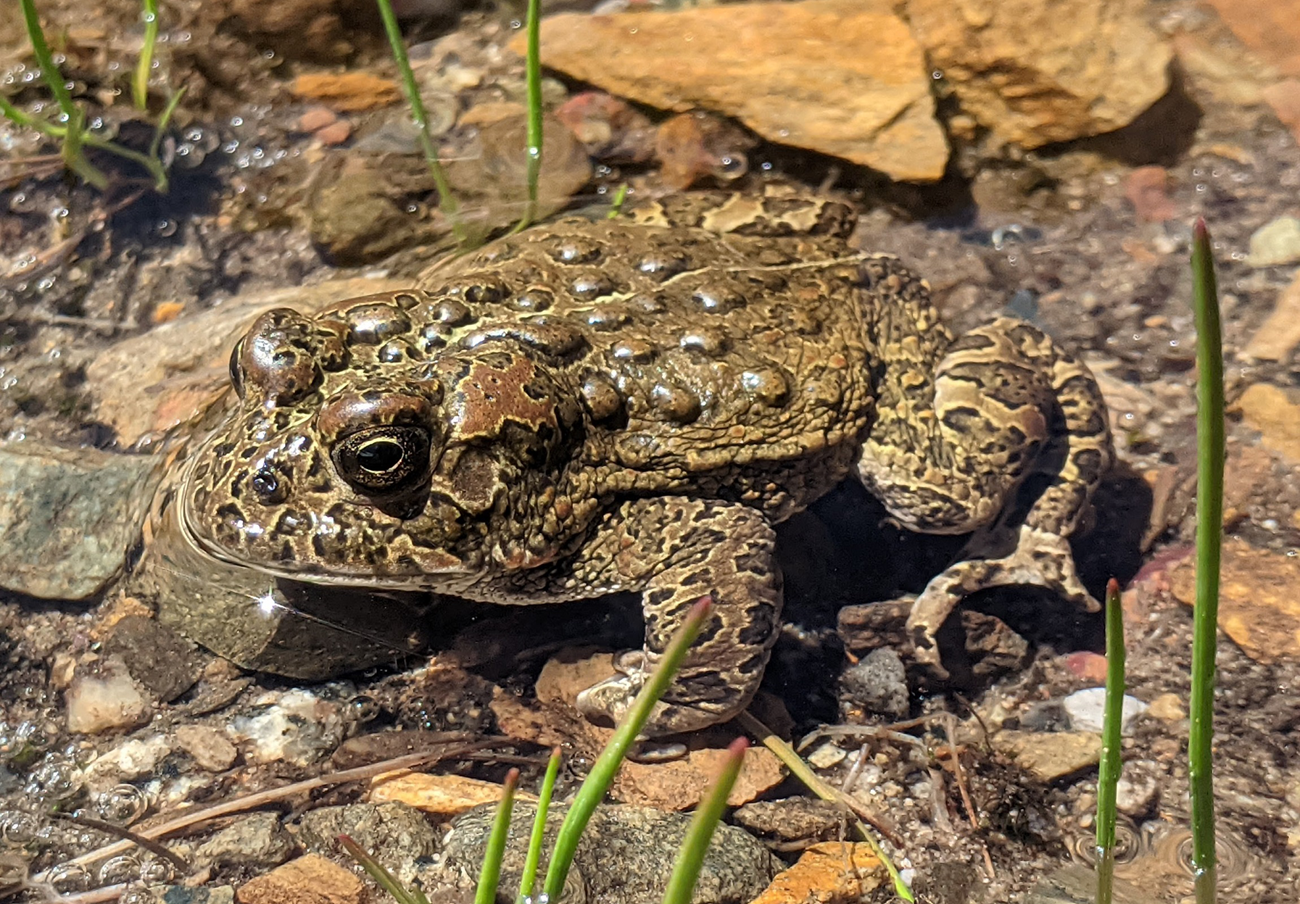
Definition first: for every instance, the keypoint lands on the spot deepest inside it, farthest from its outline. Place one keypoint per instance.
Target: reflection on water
(1153, 863)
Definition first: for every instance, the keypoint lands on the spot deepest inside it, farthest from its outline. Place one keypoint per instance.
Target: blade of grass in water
(690, 858)
(1209, 524)
(1112, 723)
(533, 81)
(802, 771)
(140, 83)
(603, 770)
(529, 877)
(446, 201)
(45, 60)
(490, 876)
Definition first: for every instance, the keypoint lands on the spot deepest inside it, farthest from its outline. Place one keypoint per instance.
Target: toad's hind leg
(967, 429)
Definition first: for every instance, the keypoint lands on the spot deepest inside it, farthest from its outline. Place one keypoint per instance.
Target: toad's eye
(237, 372)
(383, 459)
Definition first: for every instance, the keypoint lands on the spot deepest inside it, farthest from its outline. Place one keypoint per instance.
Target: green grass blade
(490, 876)
(616, 206)
(1209, 530)
(802, 771)
(690, 859)
(73, 157)
(49, 71)
(383, 878)
(446, 201)
(603, 770)
(529, 877)
(25, 119)
(140, 83)
(1112, 725)
(533, 82)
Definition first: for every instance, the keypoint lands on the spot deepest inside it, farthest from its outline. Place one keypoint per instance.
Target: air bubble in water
(122, 804)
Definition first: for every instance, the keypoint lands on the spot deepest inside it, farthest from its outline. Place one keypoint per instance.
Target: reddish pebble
(1147, 190)
(335, 133)
(1088, 666)
(315, 118)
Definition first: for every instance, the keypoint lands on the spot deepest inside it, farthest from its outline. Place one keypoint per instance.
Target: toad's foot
(1040, 559)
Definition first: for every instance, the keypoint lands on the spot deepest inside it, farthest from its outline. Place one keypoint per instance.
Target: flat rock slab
(68, 517)
(1036, 73)
(835, 76)
(151, 384)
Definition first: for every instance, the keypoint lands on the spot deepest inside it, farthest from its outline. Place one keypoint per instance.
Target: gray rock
(792, 819)
(257, 841)
(162, 661)
(626, 854)
(68, 517)
(397, 835)
(1085, 709)
(877, 683)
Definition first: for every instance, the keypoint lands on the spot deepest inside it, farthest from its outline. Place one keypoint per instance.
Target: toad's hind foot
(1040, 559)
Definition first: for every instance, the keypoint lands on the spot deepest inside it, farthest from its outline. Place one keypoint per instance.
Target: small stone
(1276, 243)
(207, 746)
(791, 819)
(165, 664)
(1258, 607)
(994, 649)
(335, 133)
(1147, 189)
(1271, 410)
(104, 697)
(1167, 708)
(443, 796)
(1136, 791)
(314, 118)
(877, 684)
(259, 841)
(1085, 709)
(827, 755)
(127, 762)
(869, 626)
(308, 880)
(398, 835)
(346, 92)
(298, 727)
(1268, 27)
(1088, 666)
(831, 872)
(1050, 755)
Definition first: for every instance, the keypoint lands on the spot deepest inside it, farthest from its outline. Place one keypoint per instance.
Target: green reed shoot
(1112, 726)
(72, 132)
(533, 84)
(690, 859)
(528, 878)
(143, 68)
(1209, 538)
(606, 766)
(446, 200)
(490, 876)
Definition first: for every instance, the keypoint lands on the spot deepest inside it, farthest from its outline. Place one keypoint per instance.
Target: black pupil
(264, 483)
(380, 456)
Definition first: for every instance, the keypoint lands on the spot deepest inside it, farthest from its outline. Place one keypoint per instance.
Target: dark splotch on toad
(631, 405)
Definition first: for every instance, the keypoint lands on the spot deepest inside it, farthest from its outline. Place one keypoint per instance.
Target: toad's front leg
(676, 550)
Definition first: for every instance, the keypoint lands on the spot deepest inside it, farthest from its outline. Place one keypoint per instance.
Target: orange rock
(831, 872)
(834, 76)
(441, 795)
(1088, 666)
(1258, 607)
(1284, 98)
(308, 880)
(347, 92)
(1271, 28)
(168, 311)
(315, 118)
(1272, 411)
(1280, 332)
